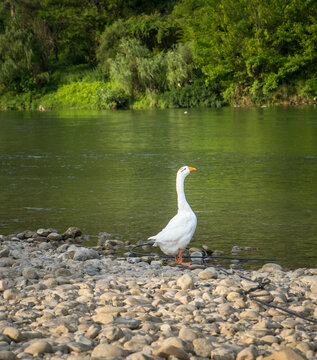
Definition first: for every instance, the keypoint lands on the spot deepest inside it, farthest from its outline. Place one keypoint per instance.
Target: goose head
(184, 171)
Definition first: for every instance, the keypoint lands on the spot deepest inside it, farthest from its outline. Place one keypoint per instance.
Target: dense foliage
(174, 53)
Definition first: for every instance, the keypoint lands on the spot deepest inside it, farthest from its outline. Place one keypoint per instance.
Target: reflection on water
(256, 183)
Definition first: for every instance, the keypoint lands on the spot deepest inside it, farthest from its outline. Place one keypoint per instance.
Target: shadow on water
(256, 183)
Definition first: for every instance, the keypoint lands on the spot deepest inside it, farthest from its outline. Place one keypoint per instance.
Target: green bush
(189, 96)
(195, 95)
(85, 95)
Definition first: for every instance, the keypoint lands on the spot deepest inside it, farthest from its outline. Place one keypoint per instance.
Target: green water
(255, 184)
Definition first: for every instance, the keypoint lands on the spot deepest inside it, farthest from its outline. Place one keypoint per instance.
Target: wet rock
(72, 232)
(43, 232)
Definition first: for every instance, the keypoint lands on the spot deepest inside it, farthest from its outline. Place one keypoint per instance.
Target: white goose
(177, 234)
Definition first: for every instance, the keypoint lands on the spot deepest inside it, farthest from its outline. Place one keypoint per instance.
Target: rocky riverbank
(60, 300)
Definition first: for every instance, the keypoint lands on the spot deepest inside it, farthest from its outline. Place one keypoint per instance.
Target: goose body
(177, 234)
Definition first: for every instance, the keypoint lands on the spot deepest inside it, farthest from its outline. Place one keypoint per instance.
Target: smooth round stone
(271, 267)
(203, 347)
(11, 294)
(13, 333)
(7, 355)
(43, 232)
(187, 334)
(30, 273)
(209, 273)
(106, 351)
(39, 347)
(170, 350)
(53, 236)
(3, 285)
(185, 282)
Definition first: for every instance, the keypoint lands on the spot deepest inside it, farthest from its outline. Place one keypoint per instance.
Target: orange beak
(191, 169)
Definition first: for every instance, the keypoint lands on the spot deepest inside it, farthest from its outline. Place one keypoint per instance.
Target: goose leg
(179, 258)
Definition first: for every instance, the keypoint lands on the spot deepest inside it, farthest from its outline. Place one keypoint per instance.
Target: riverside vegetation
(184, 53)
(61, 300)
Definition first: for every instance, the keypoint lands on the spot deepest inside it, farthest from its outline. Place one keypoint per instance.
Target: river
(114, 171)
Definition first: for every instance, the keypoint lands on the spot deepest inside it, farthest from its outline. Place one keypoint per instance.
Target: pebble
(107, 351)
(13, 333)
(7, 355)
(39, 347)
(209, 273)
(185, 282)
(62, 301)
(30, 273)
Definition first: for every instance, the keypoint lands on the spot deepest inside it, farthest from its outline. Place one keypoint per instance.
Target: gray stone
(7, 355)
(271, 267)
(72, 232)
(62, 272)
(43, 232)
(4, 252)
(30, 273)
(78, 346)
(82, 254)
(54, 236)
(92, 331)
(112, 333)
(127, 323)
(203, 347)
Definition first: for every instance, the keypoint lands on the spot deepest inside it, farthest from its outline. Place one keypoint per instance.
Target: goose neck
(181, 199)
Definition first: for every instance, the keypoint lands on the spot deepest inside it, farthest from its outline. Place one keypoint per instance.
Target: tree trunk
(12, 7)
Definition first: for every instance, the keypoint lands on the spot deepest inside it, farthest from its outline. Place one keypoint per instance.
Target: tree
(251, 47)
(25, 44)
